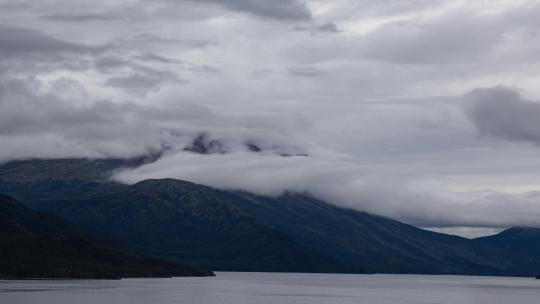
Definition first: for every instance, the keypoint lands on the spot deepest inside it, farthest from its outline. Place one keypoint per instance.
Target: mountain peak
(165, 185)
(203, 144)
(161, 182)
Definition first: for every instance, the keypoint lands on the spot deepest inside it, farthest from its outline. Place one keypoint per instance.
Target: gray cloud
(142, 81)
(391, 7)
(459, 36)
(276, 9)
(145, 38)
(305, 71)
(418, 202)
(502, 113)
(135, 75)
(15, 41)
(80, 17)
(157, 58)
(328, 27)
(70, 125)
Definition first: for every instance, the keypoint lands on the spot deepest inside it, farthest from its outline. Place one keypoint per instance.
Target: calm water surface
(269, 288)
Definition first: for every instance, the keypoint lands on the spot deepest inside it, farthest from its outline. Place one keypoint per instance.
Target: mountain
(204, 143)
(191, 223)
(233, 230)
(376, 243)
(517, 247)
(40, 245)
(380, 244)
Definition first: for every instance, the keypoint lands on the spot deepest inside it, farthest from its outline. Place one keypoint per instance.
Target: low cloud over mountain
(422, 110)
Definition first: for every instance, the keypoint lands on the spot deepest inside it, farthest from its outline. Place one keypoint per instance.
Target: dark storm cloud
(295, 10)
(502, 113)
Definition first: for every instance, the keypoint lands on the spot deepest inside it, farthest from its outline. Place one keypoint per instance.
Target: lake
(269, 288)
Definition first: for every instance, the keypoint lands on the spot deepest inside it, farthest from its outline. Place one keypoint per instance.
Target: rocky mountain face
(205, 144)
(230, 230)
(40, 245)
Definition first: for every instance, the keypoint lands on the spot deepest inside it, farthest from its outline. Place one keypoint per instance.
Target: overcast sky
(427, 111)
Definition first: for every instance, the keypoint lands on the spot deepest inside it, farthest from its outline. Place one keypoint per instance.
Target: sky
(427, 111)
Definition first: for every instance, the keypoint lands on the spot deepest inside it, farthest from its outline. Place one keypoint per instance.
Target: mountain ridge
(40, 245)
(236, 230)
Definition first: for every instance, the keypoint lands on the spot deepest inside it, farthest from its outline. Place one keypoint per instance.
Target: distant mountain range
(40, 245)
(234, 230)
